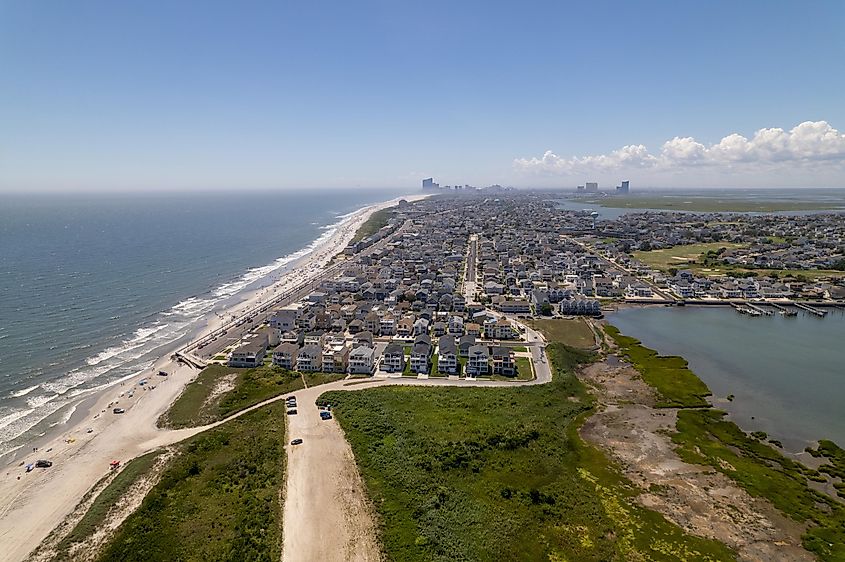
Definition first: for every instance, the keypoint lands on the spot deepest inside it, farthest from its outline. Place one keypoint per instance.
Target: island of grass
(501, 474)
(219, 391)
(705, 437)
(217, 499)
(709, 204)
(692, 257)
(376, 222)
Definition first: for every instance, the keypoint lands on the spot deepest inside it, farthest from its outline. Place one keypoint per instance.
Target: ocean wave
(121, 362)
(23, 392)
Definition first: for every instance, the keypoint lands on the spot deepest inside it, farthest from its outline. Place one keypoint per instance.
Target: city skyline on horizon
(106, 97)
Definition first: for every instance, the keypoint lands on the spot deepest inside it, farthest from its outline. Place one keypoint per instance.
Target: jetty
(783, 310)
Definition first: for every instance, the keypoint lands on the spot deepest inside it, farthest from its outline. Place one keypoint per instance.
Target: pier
(818, 312)
(746, 309)
(762, 311)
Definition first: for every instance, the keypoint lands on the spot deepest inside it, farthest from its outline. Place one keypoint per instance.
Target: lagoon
(787, 375)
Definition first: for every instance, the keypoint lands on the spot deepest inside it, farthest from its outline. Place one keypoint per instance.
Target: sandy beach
(33, 503)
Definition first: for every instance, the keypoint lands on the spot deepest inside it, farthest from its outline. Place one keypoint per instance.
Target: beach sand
(33, 504)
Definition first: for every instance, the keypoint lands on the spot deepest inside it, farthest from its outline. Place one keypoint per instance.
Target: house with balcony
(285, 354)
(361, 361)
(478, 361)
(309, 359)
(503, 361)
(393, 358)
(447, 356)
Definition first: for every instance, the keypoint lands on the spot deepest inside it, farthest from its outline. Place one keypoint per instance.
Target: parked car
(292, 412)
(43, 464)
(118, 411)
(296, 442)
(325, 416)
(162, 373)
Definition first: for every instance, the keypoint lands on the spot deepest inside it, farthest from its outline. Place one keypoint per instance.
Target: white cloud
(808, 145)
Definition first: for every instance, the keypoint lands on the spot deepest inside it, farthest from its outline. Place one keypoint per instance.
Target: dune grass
(105, 500)
(501, 474)
(376, 222)
(195, 406)
(218, 499)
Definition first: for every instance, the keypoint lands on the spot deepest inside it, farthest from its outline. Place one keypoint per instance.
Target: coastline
(34, 503)
(793, 401)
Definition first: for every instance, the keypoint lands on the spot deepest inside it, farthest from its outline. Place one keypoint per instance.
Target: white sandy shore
(32, 504)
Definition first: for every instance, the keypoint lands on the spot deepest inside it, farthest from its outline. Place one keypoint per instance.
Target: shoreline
(34, 503)
(788, 444)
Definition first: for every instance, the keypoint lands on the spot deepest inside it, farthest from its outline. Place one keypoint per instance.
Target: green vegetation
(217, 500)
(709, 204)
(705, 437)
(501, 474)
(572, 332)
(681, 256)
(376, 222)
(836, 459)
(669, 375)
(523, 369)
(520, 349)
(105, 500)
(703, 259)
(199, 404)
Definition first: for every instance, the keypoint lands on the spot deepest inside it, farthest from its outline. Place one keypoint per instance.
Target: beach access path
(33, 503)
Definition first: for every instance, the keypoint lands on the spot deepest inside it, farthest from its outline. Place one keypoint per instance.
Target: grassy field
(684, 257)
(572, 332)
(670, 375)
(99, 509)
(500, 474)
(195, 406)
(705, 437)
(376, 222)
(680, 256)
(709, 204)
(218, 499)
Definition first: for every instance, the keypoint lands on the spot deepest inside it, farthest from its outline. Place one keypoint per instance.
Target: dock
(789, 313)
(762, 311)
(818, 312)
(746, 310)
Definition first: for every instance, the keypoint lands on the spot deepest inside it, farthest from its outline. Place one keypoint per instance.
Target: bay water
(786, 375)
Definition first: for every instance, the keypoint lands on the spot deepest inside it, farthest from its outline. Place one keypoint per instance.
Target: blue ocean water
(94, 288)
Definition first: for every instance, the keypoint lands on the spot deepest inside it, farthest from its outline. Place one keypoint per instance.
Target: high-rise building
(623, 188)
(428, 183)
(592, 186)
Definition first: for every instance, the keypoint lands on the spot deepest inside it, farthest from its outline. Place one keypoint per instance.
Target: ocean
(94, 288)
(786, 375)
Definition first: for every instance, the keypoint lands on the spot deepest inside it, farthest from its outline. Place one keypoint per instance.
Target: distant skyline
(105, 96)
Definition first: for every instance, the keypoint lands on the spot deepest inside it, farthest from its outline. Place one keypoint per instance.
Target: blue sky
(208, 95)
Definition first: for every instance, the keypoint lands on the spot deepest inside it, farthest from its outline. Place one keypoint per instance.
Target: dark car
(43, 464)
(325, 416)
(296, 442)
(292, 412)
(118, 411)
(162, 373)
